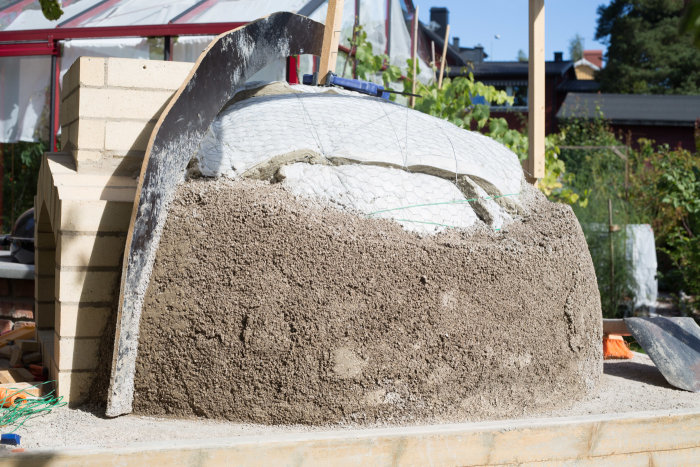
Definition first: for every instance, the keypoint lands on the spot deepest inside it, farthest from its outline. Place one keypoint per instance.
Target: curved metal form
(218, 74)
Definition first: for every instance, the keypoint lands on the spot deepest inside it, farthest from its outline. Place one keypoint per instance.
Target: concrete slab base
(641, 438)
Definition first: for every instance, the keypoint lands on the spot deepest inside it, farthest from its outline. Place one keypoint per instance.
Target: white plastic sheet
(640, 252)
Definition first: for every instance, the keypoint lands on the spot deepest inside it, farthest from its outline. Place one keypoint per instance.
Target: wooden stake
(432, 55)
(414, 56)
(534, 166)
(331, 37)
(611, 230)
(444, 56)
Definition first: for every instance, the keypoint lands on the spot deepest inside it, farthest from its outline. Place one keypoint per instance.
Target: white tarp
(26, 79)
(640, 252)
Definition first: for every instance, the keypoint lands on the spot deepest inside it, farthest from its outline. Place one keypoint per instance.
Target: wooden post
(414, 56)
(331, 37)
(444, 56)
(534, 166)
(611, 230)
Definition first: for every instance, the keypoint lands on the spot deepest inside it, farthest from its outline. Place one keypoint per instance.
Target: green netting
(27, 407)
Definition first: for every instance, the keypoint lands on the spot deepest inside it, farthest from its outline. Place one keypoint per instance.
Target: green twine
(24, 409)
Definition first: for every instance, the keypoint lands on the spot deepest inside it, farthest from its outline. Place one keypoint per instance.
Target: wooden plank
(666, 439)
(534, 165)
(221, 70)
(444, 56)
(25, 332)
(331, 38)
(414, 56)
(16, 375)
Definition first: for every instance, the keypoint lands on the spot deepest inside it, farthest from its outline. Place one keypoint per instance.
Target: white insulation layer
(641, 258)
(420, 203)
(354, 127)
(377, 158)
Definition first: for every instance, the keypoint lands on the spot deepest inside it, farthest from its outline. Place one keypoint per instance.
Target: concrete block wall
(84, 201)
(109, 107)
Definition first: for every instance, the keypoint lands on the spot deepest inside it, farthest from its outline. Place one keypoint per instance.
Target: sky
(478, 22)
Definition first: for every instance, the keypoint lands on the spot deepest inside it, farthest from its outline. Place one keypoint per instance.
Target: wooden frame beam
(331, 38)
(534, 165)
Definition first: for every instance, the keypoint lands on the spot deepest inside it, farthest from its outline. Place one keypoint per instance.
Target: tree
(522, 56)
(646, 52)
(576, 48)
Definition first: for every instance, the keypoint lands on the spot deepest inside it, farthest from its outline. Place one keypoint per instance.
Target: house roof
(634, 109)
(514, 70)
(584, 62)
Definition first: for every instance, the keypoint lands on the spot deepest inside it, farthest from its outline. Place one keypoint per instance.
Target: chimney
(455, 42)
(439, 15)
(558, 56)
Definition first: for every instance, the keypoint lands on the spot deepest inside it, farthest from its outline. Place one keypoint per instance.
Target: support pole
(444, 55)
(414, 57)
(611, 230)
(53, 109)
(166, 48)
(331, 37)
(534, 166)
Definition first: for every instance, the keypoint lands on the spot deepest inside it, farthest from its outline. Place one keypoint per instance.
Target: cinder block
(110, 193)
(85, 71)
(111, 103)
(73, 386)
(44, 259)
(94, 216)
(87, 155)
(45, 315)
(81, 321)
(87, 286)
(69, 110)
(155, 74)
(76, 354)
(127, 135)
(91, 250)
(92, 71)
(65, 135)
(89, 134)
(44, 288)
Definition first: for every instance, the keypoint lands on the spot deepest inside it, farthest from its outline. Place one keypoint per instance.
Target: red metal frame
(28, 48)
(154, 30)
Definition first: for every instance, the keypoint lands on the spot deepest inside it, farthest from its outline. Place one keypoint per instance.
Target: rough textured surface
(270, 309)
(627, 386)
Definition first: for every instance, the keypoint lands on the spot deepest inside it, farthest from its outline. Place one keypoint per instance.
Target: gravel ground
(627, 386)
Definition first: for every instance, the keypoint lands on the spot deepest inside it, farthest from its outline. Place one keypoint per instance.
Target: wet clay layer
(266, 308)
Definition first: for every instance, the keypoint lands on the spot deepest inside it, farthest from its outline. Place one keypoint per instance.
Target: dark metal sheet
(673, 344)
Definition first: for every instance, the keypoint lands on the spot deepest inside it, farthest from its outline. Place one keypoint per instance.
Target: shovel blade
(673, 344)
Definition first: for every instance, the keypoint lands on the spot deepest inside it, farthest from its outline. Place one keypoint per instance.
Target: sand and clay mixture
(267, 308)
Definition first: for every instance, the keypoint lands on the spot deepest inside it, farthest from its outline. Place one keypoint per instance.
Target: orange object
(9, 396)
(614, 346)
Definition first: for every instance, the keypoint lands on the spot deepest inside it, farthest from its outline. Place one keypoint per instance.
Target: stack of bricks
(16, 303)
(83, 206)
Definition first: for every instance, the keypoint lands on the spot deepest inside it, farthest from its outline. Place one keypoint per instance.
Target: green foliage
(51, 9)
(368, 66)
(646, 53)
(21, 163)
(690, 22)
(576, 47)
(662, 188)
